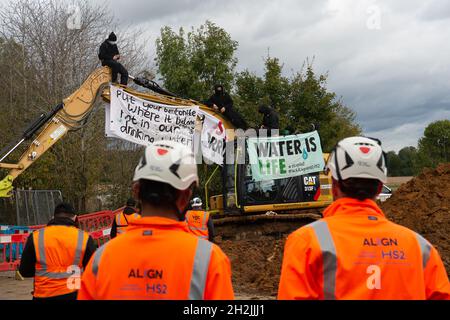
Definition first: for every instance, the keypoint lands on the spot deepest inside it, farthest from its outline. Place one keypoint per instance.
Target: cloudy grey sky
(388, 59)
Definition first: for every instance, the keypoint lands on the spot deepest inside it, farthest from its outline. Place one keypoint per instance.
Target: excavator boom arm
(73, 113)
(65, 117)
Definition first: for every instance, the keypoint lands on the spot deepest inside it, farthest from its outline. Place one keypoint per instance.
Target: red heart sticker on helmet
(162, 152)
(365, 150)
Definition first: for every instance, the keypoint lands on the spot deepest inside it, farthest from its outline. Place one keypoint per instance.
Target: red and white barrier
(97, 224)
(11, 247)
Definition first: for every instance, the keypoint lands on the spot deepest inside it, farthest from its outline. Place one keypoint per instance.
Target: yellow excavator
(241, 195)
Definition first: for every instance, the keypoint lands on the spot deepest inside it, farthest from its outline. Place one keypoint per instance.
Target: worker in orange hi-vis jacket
(199, 221)
(355, 252)
(123, 218)
(157, 258)
(56, 255)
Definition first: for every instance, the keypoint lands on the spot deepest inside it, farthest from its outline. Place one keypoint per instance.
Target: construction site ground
(11, 289)
(255, 245)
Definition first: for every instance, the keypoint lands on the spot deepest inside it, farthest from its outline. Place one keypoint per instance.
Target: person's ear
(380, 188)
(183, 198)
(135, 189)
(335, 190)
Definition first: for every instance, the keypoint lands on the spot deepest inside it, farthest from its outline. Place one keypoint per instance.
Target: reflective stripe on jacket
(159, 259)
(59, 256)
(356, 253)
(122, 221)
(197, 222)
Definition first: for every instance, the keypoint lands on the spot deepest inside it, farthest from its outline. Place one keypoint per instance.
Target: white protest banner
(284, 157)
(108, 131)
(145, 122)
(213, 139)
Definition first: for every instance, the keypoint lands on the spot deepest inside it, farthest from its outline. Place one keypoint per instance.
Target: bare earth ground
(11, 289)
(395, 182)
(399, 180)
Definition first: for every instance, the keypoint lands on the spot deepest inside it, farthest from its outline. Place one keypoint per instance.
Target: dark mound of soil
(256, 253)
(423, 205)
(256, 265)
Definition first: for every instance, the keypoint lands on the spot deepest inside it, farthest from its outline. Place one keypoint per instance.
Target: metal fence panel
(32, 207)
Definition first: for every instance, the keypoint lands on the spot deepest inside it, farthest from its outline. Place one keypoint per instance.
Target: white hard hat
(196, 202)
(358, 157)
(168, 162)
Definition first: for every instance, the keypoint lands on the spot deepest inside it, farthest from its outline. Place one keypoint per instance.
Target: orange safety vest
(197, 222)
(122, 221)
(356, 253)
(157, 258)
(59, 256)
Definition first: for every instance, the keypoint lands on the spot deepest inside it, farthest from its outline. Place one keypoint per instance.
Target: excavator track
(239, 227)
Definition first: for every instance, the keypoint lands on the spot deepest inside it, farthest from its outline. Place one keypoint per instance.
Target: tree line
(42, 61)
(191, 63)
(433, 149)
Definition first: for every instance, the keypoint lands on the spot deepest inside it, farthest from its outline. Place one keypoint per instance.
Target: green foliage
(393, 163)
(434, 146)
(276, 87)
(403, 163)
(408, 156)
(215, 184)
(39, 69)
(249, 93)
(302, 101)
(191, 64)
(313, 104)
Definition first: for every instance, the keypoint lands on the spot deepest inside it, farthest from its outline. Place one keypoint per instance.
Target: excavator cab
(242, 194)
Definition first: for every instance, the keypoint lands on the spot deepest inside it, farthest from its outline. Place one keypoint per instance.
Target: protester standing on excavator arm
(355, 252)
(222, 102)
(55, 256)
(109, 56)
(122, 219)
(271, 120)
(157, 258)
(199, 221)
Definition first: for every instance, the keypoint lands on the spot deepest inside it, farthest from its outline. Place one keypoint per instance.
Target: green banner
(285, 156)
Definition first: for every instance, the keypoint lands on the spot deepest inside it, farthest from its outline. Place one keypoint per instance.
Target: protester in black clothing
(64, 215)
(221, 102)
(127, 211)
(271, 119)
(109, 56)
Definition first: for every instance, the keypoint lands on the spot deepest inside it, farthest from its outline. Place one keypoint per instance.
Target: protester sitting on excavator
(199, 221)
(109, 56)
(122, 219)
(157, 258)
(222, 102)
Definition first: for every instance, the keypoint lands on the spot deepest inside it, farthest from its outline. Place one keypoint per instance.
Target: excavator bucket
(6, 187)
